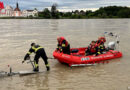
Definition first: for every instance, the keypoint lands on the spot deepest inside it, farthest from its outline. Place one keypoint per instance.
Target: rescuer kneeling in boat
(92, 49)
(63, 45)
(40, 52)
(100, 45)
(101, 40)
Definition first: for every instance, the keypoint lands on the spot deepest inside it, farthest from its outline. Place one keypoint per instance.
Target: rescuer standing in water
(39, 52)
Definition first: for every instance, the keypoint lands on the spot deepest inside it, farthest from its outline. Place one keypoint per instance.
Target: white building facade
(27, 13)
(8, 11)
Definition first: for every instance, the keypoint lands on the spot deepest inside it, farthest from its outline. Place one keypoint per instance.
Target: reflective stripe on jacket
(34, 49)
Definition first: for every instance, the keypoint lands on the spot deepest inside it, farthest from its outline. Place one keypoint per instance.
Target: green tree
(54, 12)
(30, 16)
(68, 14)
(46, 13)
(124, 13)
(35, 8)
(88, 12)
(103, 12)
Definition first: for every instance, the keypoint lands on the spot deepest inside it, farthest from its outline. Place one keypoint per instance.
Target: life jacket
(101, 47)
(92, 48)
(60, 41)
(100, 41)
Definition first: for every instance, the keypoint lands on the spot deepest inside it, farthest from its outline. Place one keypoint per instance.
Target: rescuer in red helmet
(92, 49)
(63, 45)
(101, 40)
(100, 45)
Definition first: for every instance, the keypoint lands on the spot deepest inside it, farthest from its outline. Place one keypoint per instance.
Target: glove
(57, 49)
(26, 57)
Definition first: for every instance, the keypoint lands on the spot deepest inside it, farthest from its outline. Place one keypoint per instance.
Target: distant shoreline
(109, 12)
(55, 18)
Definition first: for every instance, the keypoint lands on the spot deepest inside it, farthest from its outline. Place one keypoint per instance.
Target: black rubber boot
(36, 69)
(48, 68)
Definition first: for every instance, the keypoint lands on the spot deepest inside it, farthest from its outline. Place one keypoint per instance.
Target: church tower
(17, 11)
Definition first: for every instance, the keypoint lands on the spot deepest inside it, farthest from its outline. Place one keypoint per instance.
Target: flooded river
(17, 35)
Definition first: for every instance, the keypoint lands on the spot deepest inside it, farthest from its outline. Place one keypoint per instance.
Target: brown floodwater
(17, 35)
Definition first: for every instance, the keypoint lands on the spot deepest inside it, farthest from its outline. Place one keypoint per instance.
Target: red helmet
(102, 39)
(60, 39)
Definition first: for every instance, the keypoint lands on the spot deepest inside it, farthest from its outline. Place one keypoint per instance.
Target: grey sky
(66, 4)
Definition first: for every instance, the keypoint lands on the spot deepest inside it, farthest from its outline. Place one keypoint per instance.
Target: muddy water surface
(15, 39)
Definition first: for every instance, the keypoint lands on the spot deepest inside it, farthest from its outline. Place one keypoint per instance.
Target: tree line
(103, 12)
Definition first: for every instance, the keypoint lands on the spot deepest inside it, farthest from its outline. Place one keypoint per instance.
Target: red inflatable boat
(77, 57)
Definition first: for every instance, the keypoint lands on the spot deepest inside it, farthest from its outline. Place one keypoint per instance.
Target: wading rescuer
(63, 45)
(40, 52)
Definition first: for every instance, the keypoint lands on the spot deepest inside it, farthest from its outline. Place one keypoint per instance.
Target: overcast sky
(66, 4)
